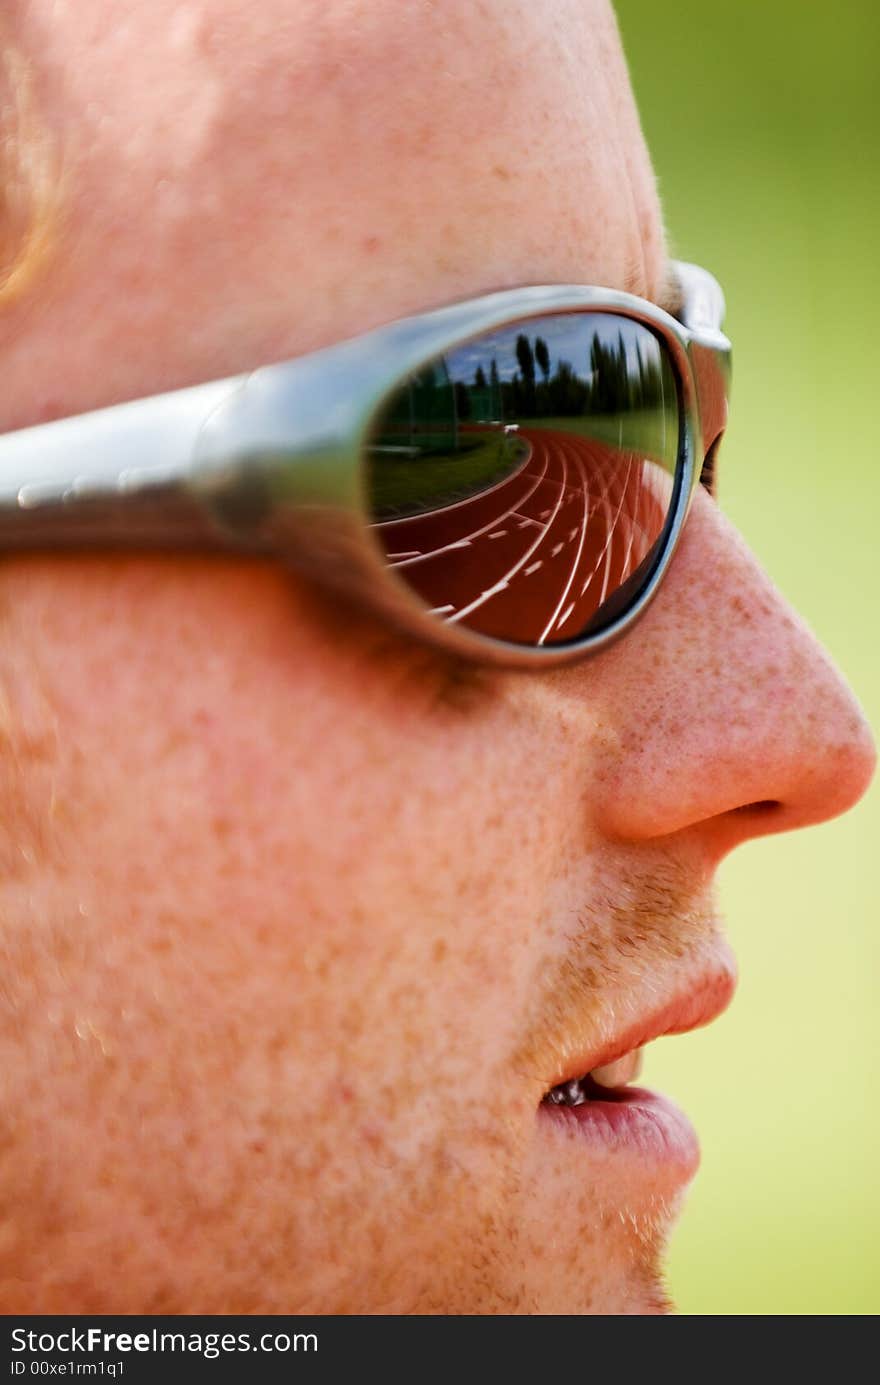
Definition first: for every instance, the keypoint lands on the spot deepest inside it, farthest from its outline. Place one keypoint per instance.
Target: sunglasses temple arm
(118, 476)
(702, 313)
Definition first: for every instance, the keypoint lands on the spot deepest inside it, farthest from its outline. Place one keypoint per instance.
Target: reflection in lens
(517, 483)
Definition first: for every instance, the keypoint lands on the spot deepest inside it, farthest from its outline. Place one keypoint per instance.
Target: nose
(727, 715)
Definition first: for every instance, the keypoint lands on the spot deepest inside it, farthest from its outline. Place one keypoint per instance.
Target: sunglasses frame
(272, 462)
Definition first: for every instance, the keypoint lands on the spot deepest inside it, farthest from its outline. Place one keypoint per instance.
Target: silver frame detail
(271, 462)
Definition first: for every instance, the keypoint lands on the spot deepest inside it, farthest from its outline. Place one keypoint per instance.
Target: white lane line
(564, 617)
(534, 568)
(634, 510)
(585, 496)
(605, 553)
(526, 520)
(544, 514)
(440, 610)
(499, 534)
(477, 533)
(614, 525)
(460, 543)
(557, 549)
(500, 586)
(458, 504)
(612, 532)
(571, 535)
(602, 503)
(413, 553)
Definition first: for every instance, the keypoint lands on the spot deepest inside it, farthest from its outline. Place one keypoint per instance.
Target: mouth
(594, 1097)
(604, 1083)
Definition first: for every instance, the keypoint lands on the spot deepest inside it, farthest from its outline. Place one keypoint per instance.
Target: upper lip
(691, 1006)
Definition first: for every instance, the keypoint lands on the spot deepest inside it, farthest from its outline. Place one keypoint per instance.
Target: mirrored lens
(521, 484)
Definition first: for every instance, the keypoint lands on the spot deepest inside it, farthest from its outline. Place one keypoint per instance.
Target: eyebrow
(668, 295)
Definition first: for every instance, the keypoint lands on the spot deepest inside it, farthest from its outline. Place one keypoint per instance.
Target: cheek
(273, 949)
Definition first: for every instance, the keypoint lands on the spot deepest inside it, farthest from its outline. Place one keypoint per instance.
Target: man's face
(301, 921)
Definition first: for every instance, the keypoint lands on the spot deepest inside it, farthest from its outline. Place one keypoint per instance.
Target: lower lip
(633, 1123)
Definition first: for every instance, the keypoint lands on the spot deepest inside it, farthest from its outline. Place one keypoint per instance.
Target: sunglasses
(506, 477)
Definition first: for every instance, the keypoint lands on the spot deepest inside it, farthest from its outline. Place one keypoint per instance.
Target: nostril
(762, 807)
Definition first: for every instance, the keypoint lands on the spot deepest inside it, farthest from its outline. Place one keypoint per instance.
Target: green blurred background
(762, 119)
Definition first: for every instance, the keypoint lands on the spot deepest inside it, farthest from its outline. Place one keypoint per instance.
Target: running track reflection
(533, 558)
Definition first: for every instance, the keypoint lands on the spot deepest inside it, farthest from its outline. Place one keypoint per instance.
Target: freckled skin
(297, 917)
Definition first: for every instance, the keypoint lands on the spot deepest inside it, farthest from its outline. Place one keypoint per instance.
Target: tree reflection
(446, 432)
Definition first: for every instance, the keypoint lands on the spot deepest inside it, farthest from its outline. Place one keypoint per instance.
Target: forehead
(239, 183)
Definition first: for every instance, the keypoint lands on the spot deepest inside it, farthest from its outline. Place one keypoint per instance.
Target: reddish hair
(28, 186)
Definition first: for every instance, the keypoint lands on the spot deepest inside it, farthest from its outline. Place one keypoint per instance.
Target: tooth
(571, 1092)
(625, 1069)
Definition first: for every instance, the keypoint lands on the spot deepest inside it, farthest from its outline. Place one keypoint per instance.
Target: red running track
(533, 558)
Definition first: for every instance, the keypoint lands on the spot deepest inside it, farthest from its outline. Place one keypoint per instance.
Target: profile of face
(303, 921)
